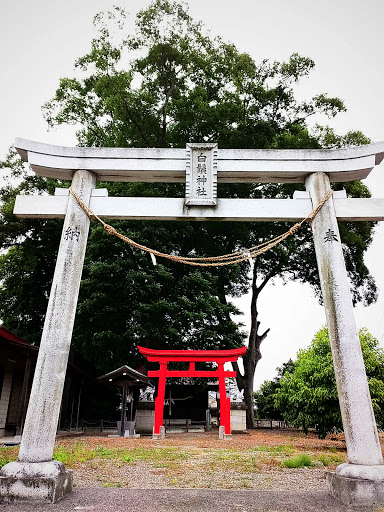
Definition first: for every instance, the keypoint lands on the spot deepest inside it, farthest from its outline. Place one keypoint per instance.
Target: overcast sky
(41, 39)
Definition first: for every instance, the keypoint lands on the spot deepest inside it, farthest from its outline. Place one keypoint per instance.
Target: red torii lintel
(220, 357)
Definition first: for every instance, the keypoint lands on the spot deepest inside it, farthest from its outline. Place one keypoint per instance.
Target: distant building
(17, 366)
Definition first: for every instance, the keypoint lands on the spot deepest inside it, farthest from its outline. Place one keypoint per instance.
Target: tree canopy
(265, 396)
(307, 395)
(167, 84)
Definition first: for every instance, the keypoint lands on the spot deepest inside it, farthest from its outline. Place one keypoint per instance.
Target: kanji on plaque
(201, 163)
(201, 175)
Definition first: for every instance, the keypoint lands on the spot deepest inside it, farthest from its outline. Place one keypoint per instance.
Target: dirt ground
(196, 472)
(251, 460)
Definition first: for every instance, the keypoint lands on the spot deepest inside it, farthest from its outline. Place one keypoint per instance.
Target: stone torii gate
(35, 475)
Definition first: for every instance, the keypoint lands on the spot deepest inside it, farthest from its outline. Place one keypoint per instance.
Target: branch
(276, 271)
(128, 110)
(264, 335)
(266, 281)
(95, 130)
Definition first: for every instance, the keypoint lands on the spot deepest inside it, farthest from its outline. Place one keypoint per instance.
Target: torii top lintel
(192, 355)
(233, 165)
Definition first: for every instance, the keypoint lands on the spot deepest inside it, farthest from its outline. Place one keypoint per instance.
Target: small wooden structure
(128, 379)
(220, 357)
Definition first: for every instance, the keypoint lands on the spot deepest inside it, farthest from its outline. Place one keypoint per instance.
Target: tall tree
(167, 84)
(307, 396)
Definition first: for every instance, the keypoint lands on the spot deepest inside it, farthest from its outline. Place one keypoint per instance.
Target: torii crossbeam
(201, 166)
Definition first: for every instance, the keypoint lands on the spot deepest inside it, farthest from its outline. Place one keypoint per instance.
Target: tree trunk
(253, 354)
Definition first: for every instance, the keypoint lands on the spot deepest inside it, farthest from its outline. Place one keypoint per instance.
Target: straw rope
(213, 261)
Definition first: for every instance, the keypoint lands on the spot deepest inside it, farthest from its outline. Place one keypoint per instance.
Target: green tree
(307, 396)
(124, 299)
(167, 84)
(264, 397)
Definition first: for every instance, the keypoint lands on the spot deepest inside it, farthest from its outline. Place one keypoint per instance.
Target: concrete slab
(186, 500)
(34, 482)
(356, 492)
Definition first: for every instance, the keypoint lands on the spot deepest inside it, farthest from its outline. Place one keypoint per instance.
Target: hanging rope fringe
(214, 261)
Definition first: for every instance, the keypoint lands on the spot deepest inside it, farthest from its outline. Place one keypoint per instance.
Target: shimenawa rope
(214, 261)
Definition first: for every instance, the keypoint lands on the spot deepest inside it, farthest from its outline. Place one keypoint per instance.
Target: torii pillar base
(160, 435)
(223, 435)
(44, 482)
(357, 486)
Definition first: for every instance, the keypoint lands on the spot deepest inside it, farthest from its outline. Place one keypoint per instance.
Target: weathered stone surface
(356, 492)
(365, 472)
(44, 405)
(39, 481)
(201, 174)
(359, 423)
(222, 435)
(172, 208)
(18, 469)
(233, 165)
(35, 476)
(145, 419)
(238, 418)
(366, 468)
(160, 435)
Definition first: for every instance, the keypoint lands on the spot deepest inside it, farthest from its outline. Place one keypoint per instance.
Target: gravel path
(145, 476)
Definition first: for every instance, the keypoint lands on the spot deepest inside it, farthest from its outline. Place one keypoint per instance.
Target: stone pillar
(158, 428)
(360, 481)
(35, 475)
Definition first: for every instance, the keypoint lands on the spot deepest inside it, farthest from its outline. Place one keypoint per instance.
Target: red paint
(220, 357)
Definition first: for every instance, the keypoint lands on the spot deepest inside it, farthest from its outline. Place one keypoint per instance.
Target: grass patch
(105, 453)
(159, 457)
(7, 454)
(126, 458)
(261, 448)
(329, 460)
(300, 461)
(79, 452)
(69, 455)
(286, 449)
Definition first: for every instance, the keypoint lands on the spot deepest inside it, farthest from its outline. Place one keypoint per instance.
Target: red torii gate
(220, 357)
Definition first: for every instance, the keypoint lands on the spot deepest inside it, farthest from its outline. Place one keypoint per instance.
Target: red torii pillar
(220, 357)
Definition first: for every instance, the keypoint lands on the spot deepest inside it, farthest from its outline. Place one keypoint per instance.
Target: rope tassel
(213, 261)
(153, 258)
